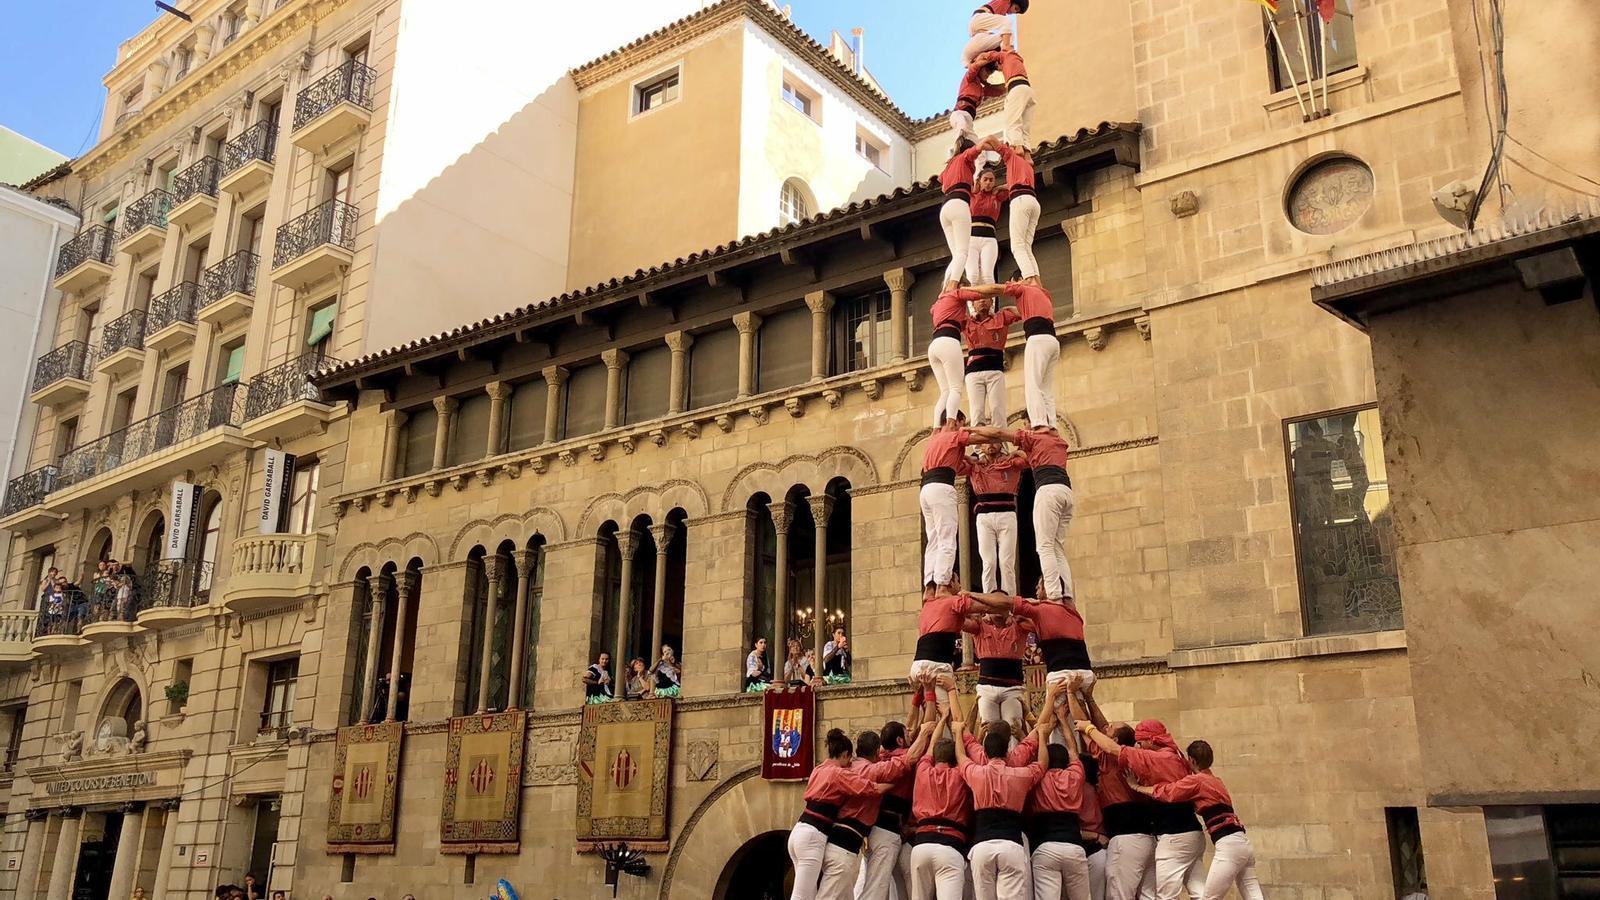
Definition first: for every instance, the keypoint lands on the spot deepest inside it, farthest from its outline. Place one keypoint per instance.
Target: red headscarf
(1156, 733)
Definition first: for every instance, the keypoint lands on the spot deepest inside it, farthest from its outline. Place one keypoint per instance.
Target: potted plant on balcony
(178, 696)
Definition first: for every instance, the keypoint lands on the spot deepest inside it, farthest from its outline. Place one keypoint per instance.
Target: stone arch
(741, 808)
(509, 527)
(399, 551)
(655, 501)
(812, 470)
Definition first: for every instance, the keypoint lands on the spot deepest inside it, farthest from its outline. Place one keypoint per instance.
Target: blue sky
(53, 54)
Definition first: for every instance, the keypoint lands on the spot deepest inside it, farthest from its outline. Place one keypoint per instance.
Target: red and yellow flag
(1327, 10)
(1271, 5)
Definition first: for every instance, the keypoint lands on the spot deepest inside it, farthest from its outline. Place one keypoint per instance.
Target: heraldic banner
(789, 721)
(624, 771)
(483, 784)
(363, 797)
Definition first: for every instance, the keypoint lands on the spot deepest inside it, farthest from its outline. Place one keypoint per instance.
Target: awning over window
(235, 365)
(321, 324)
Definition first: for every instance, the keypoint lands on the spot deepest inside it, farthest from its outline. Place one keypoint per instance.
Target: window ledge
(1337, 81)
(1297, 648)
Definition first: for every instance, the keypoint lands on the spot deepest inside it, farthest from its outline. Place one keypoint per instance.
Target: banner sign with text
(277, 475)
(180, 519)
(789, 721)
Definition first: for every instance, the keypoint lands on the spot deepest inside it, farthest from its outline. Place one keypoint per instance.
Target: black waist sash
(934, 830)
(946, 330)
(1016, 82)
(1221, 821)
(939, 475)
(819, 815)
(849, 834)
(997, 825)
(1174, 818)
(1060, 827)
(1000, 672)
(1036, 325)
(892, 813)
(983, 228)
(962, 191)
(1043, 475)
(940, 647)
(988, 503)
(986, 359)
(1061, 654)
(1022, 190)
(1128, 818)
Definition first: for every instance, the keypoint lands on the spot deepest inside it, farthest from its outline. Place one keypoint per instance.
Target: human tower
(1011, 806)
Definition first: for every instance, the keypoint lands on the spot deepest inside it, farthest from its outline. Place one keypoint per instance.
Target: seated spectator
(668, 675)
(757, 674)
(639, 685)
(836, 658)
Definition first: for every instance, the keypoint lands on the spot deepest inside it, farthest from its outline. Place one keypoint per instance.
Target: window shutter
(586, 401)
(321, 324)
(785, 350)
(470, 437)
(235, 365)
(528, 401)
(714, 368)
(418, 451)
(649, 375)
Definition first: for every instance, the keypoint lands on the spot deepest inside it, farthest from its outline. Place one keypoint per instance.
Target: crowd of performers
(1003, 803)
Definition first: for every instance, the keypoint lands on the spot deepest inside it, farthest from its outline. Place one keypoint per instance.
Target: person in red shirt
(841, 860)
(986, 331)
(883, 843)
(831, 783)
(994, 480)
(1019, 99)
(990, 28)
(1154, 758)
(1041, 352)
(1022, 205)
(1057, 807)
(941, 461)
(999, 640)
(1128, 818)
(944, 352)
(1234, 862)
(1052, 501)
(941, 804)
(975, 88)
(938, 632)
(1000, 868)
(955, 216)
(1094, 838)
(983, 251)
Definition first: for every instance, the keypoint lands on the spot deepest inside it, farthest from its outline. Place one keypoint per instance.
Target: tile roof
(762, 243)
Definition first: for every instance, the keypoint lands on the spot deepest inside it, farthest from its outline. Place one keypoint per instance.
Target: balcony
(172, 315)
(151, 452)
(229, 289)
(16, 636)
(60, 622)
(316, 245)
(246, 161)
(111, 611)
(172, 591)
(84, 261)
(122, 344)
(271, 569)
(23, 509)
(194, 194)
(283, 403)
(334, 107)
(62, 375)
(144, 223)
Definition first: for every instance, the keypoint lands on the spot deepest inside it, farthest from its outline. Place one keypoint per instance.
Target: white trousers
(997, 547)
(985, 28)
(939, 526)
(1000, 870)
(929, 668)
(955, 217)
(937, 872)
(964, 125)
(1000, 704)
(982, 253)
(902, 873)
(1039, 357)
(1058, 867)
(1062, 677)
(944, 357)
(1178, 865)
(1097, 875)
(806, 848)
(986, 397)
(877, 868)
(1233, 863)
(1024, 214)
(1019, 115)
(1052, 516)
(839, 868)
(1130, 867)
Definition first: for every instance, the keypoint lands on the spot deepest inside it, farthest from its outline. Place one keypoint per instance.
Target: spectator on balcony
(836, 657)
(668, 674)
(757, 674)
(597, 686)
(638, 684)
(47, 583)
(795, 670)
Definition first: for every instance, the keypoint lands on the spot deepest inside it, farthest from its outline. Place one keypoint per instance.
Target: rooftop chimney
(860, 48)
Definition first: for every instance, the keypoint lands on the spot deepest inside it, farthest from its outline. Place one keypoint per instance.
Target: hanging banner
(180, 519)
(483, 783)
(789, 721)
(362, 794)
(624, 773)
(276, 478)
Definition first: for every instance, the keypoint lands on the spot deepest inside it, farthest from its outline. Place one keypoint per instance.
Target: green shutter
(321, 324)
(110, 216)
(235, 365)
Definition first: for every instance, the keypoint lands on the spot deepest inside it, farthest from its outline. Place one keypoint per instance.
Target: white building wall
(933, 152)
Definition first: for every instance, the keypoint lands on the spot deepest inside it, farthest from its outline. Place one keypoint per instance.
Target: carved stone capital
(627, 444)
(899, 280)
(760, 413)
(71, 812)
(525, 561)
(663, 536)
(821, 509)
(659, 437)
(614, 358)
(378, 590)
(36, 815)
(627, 543)
(679, 341)
(913, 380)
(747, 322)
(360, 504)
(781, 516)
(819, 302)
(494, 572)
(568, 457)
(132, 806)
(498, 390)
(539, 464)
(405, 584)
(556, 375)
(458, 482)
(410, 493)
(513, 470)
(1185, 204)
(873, 388)
(1096, 338)
(597, 451)
(833, 398)
(725, 422)
(1142, 325)
(434, 487)
(445, 406)
(795, 406)
(691, 430)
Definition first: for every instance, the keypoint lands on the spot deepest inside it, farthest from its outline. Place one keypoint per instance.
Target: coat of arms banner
(363, 796)
(789, 736)
(483, 784)
(624, 771)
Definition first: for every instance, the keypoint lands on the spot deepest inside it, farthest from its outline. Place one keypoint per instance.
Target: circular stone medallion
(1330, 195)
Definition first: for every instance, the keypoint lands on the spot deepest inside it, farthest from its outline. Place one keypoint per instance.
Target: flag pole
(1305, 56)
(1277, 38)
(1325, 26)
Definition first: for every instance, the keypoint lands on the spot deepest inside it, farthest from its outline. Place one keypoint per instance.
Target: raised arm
(1095, 715)
(920, 745)
(1100, 738)
(989, 432)
(998, 602)
(958, 729)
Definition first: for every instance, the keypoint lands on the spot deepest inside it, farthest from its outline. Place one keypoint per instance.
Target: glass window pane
(1340, 46)
(714, 368)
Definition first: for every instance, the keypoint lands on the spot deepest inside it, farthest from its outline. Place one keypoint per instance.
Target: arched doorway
(760, 870)
(730, 830)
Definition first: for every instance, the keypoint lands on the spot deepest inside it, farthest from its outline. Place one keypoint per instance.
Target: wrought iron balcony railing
(92, 244)
(61, 612)
(66, 361)
(234, 275)
(259, 141)
(151, 209)
(175, 305)
(334, 222)
(110, 600)
(176, 584)
(28, 489)
(218, 407)
(351, 82)
(282, 385)
(200, 178)
(125, 332)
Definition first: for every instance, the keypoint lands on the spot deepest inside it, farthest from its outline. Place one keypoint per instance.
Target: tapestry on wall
(789, 739)
(624, 771)
(363, 796)
(483, 784)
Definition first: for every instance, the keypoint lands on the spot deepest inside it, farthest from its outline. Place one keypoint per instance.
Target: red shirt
(1000, 477)
(1019, 174)
(1004, 7)
(996, 785)
(975, 87)
(1026, 751)
(1060, 633)
(1113, 787)
(1090, 815)
(1043, 448)
(862, 809)
(1032, 301)
(990, 332)
(829, 786)
(1210, 798)
(998, 642)
(950, 310)
(902, 785)
(1061, 790)
(940, 795)
(943, 615)
(1012, 68)
(986, 208)
(959, 172)
(1155, 766)
(944, 450)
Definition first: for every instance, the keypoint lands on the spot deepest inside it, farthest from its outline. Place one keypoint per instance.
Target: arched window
(210, 542)
(794, 202)
(356, 647)
(124, 704)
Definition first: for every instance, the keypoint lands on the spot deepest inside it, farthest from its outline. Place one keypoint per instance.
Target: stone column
(155, 81)
(499, 394)
(678, 385)
(899, 281)
(446, 408)
(405, 583)
(126, 865)
(820, 302)
(378, 592)
(821, 509)
(627, 546)
(169, 843)
(494, 573)
(616, 365)
(66, 861)
(779, 651)
(524, 560)
(204, 35)
(394, 421)
(554, 378)
(32, 854)
(663, 535)
(747, 323)
(964, 552)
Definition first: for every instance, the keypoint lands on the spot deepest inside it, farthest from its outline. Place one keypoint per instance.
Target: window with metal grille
(792, 203)
(861, 330)
(277, 711)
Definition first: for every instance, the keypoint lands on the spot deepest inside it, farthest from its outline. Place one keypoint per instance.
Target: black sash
(934, 830)
(1221, 821)
(1000, 672)
(1059, 827)
(997, 825)
(986, 359)
(1021, 190)
(1128, 818)
(939, 475)
(1037, 325)
(962, 191)
(1061, 654)
(849, 834)
(819, 815)
(892, 812)
(1016, 82)
(981, 228)
(939, 647)
(1174, 818)
(1043, 475)
(946, 330)
(988, 503)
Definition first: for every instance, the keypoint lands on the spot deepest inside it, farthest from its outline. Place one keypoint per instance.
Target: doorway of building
(760, 870)
(96, 855)
(262, 840)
